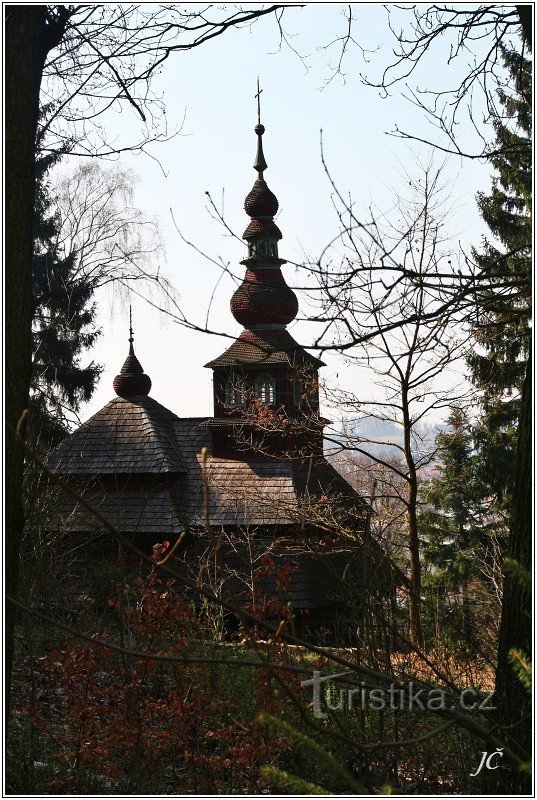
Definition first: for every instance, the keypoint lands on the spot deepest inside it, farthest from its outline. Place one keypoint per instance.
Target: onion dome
(264, 298)
(261, 202)
(132, 381)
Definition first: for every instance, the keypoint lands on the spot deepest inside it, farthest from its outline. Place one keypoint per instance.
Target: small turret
(132, 380)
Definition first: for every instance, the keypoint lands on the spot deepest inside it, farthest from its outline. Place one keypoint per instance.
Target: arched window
(298, 391)
(235, 392)
(264, 389)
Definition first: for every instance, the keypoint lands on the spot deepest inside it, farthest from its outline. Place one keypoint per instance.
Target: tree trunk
(416, 632)
(26, 36)
(512, 701)
(525, 15)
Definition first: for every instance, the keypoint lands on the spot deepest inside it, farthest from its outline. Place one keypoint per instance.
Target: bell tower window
(264, 389)
(263, 249)
(298, 391)
(305, 391)
(235, 392)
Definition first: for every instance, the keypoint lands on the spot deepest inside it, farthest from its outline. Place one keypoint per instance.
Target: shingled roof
(141, 436)
(154, 513)
(264, 347)
(251, 491)
(128, 436)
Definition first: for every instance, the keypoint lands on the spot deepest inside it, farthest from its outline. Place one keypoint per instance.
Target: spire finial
(131, 334)
(259, 164)
(258, 96)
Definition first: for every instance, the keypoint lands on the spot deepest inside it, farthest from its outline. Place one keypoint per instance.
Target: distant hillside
(380, 438)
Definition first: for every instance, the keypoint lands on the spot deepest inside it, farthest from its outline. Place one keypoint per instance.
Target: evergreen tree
(458, 526)
(502, 329)
(452, 498)
(504, 376)
(64, 322)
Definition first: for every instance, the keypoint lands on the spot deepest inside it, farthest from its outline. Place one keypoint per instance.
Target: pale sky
(213, 88)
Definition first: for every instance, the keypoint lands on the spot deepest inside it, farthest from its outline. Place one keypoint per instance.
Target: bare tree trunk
(416, 632)
(28, 38)
(512, 700)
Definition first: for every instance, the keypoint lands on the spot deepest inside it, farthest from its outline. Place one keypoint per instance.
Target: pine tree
(64, 322)
(452, 497)
(457, 525)
(504, 376)
(502, 330)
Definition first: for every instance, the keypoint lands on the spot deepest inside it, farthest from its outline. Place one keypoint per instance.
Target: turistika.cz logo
(398, 696)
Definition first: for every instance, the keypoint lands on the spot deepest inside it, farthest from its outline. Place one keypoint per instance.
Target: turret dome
(132, 380)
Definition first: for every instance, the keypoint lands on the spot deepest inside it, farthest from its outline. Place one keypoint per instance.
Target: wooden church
(253, 477)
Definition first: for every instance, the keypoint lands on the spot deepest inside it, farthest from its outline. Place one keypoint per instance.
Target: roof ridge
(166, 438)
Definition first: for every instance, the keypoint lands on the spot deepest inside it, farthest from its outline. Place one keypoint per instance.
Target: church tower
(266, 381)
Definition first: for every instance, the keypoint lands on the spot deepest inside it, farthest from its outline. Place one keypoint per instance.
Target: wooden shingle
(127, 436)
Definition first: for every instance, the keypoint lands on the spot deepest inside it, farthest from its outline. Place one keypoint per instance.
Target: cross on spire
(259, 164)
(131, 334)
(258, 97)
